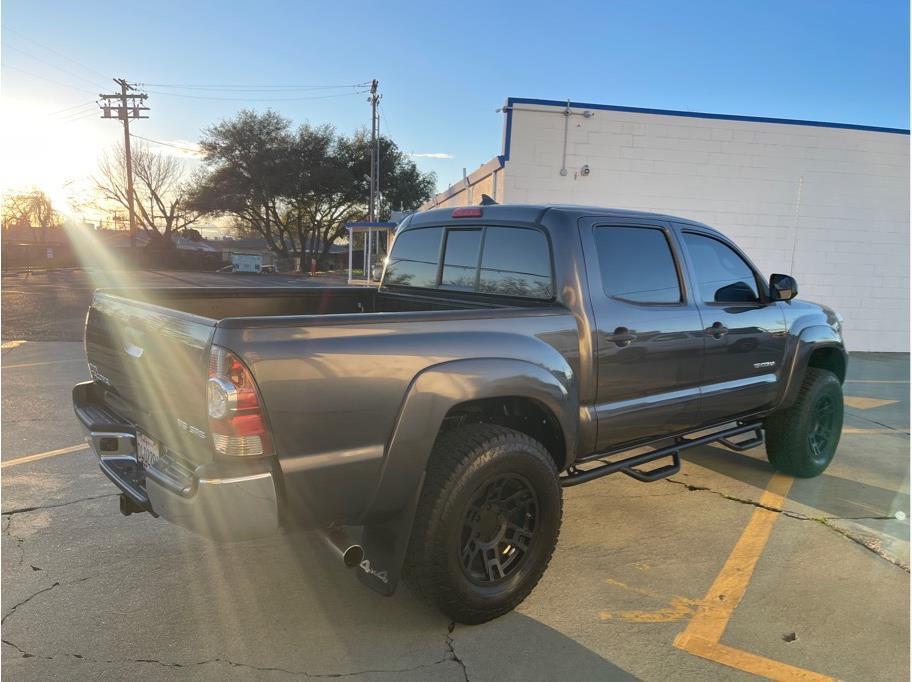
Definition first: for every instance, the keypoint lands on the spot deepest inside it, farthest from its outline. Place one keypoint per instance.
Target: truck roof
(533, 213)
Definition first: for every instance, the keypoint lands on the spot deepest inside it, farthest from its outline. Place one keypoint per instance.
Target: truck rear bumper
(218, 500)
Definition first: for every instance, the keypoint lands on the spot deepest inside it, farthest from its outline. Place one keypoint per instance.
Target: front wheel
(801, 440)
(487, 522)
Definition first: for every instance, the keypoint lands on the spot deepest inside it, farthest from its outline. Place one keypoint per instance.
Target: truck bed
(148, 351)
(217, 303)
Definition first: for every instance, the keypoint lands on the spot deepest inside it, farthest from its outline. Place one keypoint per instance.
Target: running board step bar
(630, 465)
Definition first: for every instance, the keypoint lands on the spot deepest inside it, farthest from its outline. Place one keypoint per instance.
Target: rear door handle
(622, 337)
(717, 331)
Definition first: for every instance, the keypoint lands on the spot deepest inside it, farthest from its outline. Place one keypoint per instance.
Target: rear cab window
(495, 260)
(637, 265)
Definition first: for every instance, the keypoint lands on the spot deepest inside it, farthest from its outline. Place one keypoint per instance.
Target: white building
(825, 202)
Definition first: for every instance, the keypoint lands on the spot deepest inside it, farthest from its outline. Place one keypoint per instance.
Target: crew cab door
(649, 341)
(744, 331)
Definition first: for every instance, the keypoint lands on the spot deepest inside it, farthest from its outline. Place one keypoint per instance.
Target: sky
(443, 69)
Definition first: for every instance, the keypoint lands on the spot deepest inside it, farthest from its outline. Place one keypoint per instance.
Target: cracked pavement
(90, 593)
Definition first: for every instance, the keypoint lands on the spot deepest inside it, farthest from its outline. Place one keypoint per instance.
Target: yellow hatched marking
(704, 632)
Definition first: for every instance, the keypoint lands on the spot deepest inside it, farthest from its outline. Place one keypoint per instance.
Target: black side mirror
(783, 287)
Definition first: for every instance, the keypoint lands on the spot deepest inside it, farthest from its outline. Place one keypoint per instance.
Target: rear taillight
(236, 419)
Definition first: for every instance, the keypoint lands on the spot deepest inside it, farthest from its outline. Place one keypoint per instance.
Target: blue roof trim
(508, 129)
(686, 114)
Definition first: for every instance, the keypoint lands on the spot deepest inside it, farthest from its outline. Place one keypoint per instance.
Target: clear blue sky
(445, 67)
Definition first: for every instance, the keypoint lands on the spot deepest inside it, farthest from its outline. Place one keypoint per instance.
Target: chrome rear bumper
(219, 500)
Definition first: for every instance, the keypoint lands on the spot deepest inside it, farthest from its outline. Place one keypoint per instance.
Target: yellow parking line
(47, 362)
(898, 432)
(43, 455)
(704, 632)
(863, 403)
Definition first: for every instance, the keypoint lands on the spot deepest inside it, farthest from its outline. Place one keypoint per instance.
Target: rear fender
(388, 521)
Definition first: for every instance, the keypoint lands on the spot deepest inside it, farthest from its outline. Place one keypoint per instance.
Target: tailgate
(152, 363)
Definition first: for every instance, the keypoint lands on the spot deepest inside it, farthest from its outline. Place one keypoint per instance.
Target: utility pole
(373, 210)
(130, 107)
(374, 99)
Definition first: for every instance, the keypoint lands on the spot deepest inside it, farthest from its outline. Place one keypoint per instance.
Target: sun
(53, 153)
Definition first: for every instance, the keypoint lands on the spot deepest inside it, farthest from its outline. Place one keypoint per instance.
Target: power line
(254, 87)
(256, 99)
(52, 65)
(385, 120)
(50, 49)
(81, 117)
(166, 144)
(75, 106)
(45, 78)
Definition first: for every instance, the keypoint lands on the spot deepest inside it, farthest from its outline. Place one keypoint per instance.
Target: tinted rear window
(460, 259)
(415, 257)
(637, 265)
(514, 261)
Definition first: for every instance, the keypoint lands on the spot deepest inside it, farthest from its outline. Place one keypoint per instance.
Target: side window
(460, 259)
(516, 262)
(722, 275)
(637, 265)
(414, 259)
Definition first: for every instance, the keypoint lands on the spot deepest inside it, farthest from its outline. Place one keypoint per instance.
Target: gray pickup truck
(428, 426)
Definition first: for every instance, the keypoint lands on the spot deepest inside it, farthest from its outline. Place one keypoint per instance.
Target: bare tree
(28, 212)
(159, 187)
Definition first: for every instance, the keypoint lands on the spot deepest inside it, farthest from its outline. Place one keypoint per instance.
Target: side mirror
(783, 287)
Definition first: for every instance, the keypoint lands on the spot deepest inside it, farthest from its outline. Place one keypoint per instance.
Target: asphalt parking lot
(725, 571)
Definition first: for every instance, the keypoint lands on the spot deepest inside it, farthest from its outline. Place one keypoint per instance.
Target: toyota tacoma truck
(428, 426)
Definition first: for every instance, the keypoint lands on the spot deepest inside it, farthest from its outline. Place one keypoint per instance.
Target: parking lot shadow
(832, 495)
(511, 647)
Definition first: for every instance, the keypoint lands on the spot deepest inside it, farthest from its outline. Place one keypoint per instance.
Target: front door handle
(717, 331)
(622, 337)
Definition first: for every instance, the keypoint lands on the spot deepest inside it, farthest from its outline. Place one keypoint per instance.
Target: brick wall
(828, 205)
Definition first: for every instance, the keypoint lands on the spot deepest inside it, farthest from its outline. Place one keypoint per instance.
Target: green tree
(249, 174)
(298, 187)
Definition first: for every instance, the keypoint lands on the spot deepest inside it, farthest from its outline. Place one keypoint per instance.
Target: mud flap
(385, 544)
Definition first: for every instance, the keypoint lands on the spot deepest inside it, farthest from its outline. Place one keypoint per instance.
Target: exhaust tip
(339, 541)
(353, 556)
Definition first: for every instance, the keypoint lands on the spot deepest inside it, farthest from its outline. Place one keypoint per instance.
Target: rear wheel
(487, 522)
(801, 440)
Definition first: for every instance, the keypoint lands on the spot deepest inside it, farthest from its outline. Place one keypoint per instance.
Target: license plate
(147, 450)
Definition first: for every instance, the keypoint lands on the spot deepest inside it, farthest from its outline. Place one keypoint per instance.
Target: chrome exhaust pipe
(343, 546)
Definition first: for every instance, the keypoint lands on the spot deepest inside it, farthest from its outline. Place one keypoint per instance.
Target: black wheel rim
(823, 419)
(499, 529)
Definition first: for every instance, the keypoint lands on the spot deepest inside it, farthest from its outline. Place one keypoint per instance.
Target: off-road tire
(798, 442)
(467, 464)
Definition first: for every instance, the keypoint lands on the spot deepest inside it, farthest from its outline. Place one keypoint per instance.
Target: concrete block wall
(827, 205)
(482, 182)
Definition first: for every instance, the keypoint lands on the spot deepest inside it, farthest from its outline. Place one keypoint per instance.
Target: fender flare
(389, 518)
(810, 339)
(440, 387)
